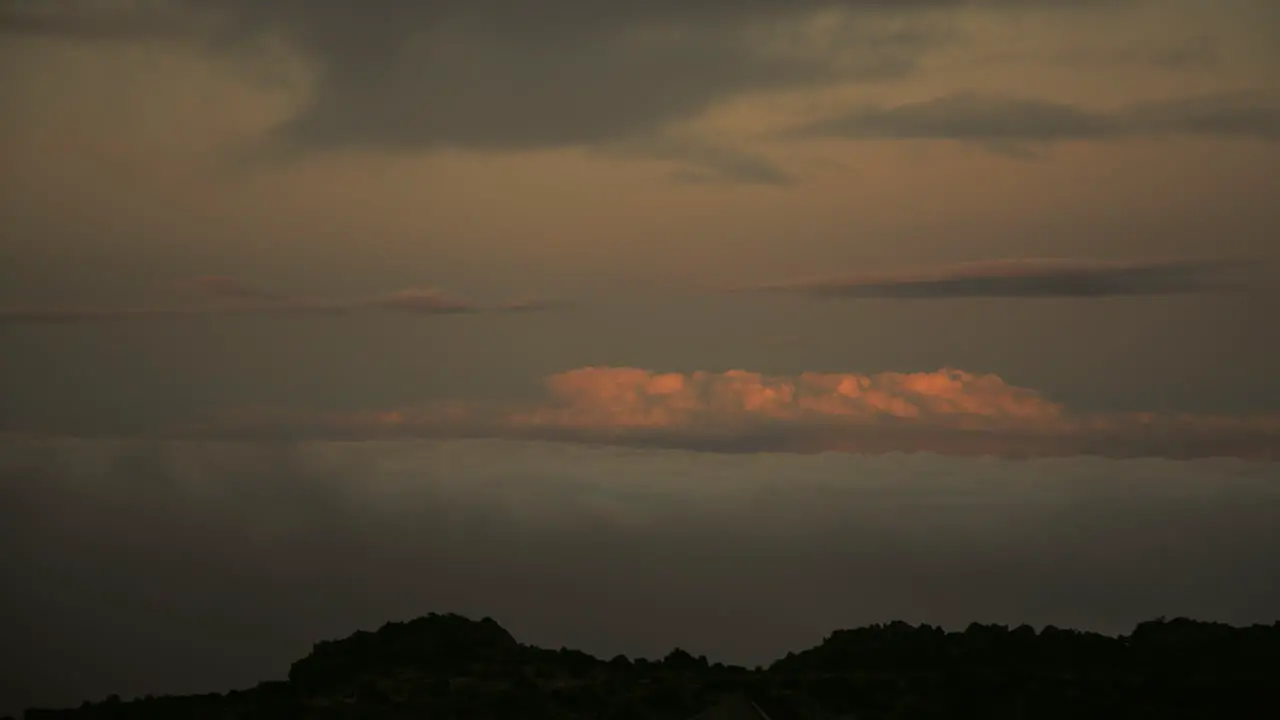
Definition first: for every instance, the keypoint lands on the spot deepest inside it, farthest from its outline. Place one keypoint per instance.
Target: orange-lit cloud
(947, 411)
(629, 397)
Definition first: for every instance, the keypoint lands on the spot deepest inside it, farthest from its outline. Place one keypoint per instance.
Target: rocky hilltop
(449, 666)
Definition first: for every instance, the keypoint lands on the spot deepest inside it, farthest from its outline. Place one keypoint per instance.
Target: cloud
(238, 298)
(1030, 278)
(967, 116)
(44, 316)
(1197, 51)
(631, 397)
(948, 411)
(705, 163)
(1245, 114)
(993, 119)
(504, 75)
(121, 556)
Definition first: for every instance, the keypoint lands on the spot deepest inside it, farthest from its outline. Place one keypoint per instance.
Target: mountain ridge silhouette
(450, 666)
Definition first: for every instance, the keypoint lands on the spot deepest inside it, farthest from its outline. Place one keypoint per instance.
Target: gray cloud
(1254, 114)
(237, 298)
(968, 116)
(705, 163)
(507, 75)
(122, 556)
(993, 119)
(1195, 52)
(45, 316)
(1023, 279)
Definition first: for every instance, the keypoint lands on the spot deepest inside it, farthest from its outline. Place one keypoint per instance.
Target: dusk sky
(880, 289)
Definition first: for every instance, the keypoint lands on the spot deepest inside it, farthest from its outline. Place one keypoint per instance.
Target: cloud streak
(949, 412)
(1029, 278)
(54, 316)
(994, 119)
(233, 297)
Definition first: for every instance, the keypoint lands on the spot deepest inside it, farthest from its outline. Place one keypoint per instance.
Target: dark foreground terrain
(447, 666)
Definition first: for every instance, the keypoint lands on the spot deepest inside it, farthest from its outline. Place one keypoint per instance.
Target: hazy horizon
(154, 567)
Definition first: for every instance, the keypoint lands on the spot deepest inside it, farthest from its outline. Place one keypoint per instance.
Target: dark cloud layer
(509, 75)
(994, 119)
(1024, 279)
(136, 567)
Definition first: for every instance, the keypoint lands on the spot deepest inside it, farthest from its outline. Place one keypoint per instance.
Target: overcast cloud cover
(141, 567)
(396, 75)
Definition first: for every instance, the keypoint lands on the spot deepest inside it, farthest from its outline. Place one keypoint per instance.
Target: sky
(679, 233)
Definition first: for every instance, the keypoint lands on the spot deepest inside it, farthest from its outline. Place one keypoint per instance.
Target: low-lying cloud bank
(233, 297)
(1029, 278)
(149, 567)
(949, 412)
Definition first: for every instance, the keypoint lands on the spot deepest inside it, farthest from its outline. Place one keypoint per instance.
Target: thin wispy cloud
(42, 316)
(996, 120)
(233, 297)
(1030, 278)
(705, 163)
(1196, 51)
(423, 301)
